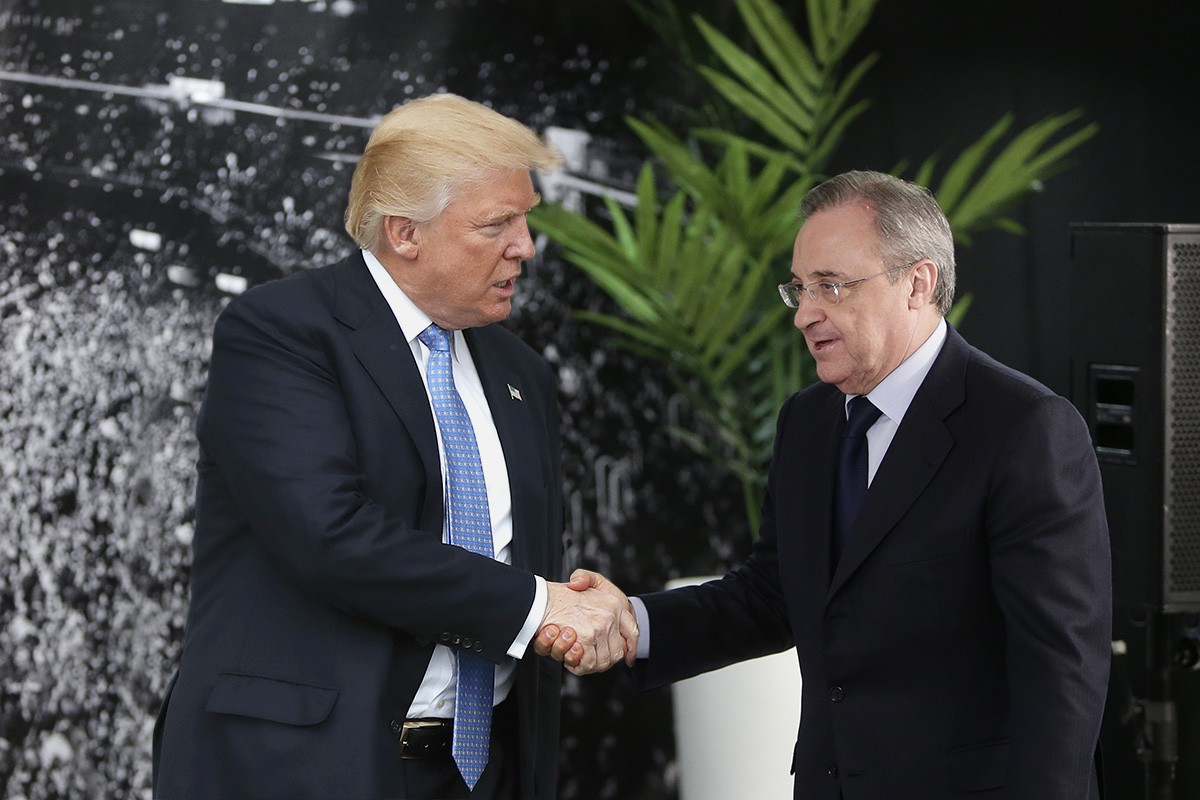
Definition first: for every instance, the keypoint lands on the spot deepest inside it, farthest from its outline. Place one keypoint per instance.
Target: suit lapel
(814, 486)
(381, 348)
(918, 449)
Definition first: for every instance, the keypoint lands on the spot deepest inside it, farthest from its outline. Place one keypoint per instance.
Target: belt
(425, 738)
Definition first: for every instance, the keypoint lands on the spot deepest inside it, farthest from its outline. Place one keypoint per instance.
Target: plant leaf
(755, 76)
(790, 135)
(784, 49)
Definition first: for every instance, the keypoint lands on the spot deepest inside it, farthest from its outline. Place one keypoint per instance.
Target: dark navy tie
(851, 487)
(470, 525)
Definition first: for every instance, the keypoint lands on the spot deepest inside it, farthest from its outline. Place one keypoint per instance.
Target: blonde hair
(422, 154)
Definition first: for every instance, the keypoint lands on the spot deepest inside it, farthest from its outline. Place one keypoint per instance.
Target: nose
(522, 245)
(808, 312)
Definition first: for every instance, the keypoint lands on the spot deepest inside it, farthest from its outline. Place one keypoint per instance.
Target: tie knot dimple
(863, 414)
(435, 338)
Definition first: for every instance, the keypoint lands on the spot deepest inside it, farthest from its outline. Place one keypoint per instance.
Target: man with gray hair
(934, 541)
(379, 503)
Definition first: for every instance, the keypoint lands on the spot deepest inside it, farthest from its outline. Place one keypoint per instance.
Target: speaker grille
(1181, 551)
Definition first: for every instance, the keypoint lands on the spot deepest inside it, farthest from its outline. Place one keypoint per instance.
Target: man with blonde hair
(379, 499)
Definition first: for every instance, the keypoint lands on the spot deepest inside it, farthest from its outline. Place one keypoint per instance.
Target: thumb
(582, 580)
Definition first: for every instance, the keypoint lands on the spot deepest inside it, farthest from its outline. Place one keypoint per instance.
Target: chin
(496, 314)
(826, 376)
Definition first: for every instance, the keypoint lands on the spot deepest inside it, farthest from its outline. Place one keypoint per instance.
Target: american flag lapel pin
(514, 392)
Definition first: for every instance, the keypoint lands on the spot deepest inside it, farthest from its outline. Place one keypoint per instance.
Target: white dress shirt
(895, 394)
(436, 694)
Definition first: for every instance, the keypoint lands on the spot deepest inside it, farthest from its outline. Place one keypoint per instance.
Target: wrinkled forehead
(839, 242)
(497, 193)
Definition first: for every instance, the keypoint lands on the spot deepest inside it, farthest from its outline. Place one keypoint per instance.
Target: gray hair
(908, 220)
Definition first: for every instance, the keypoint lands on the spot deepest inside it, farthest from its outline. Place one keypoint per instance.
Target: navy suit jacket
(319, 579)
(961, 647)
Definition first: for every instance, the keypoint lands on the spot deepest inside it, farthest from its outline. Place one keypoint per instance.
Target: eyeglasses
(824, 292)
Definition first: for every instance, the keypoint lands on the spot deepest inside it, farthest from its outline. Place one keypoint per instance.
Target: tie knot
(435, 338)
(863, 414)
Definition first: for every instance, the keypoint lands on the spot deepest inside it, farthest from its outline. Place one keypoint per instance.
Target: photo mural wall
(156, 160)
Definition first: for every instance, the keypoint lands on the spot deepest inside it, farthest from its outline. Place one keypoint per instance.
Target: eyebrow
(819, 275)
(503, 214)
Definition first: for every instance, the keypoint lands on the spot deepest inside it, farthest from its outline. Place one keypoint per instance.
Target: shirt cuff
(541, 598)
(643, 623)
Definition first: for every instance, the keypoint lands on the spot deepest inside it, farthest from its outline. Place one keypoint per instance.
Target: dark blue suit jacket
(319, 581)
(961, 647)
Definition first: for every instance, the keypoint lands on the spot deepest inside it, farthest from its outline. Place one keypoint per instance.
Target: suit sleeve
(696, 629)
(276, 428)
(1051, 573)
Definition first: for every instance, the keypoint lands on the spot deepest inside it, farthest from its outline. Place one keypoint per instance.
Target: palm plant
(692, 268)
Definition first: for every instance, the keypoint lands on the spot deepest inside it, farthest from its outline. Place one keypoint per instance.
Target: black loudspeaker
(1135, 378)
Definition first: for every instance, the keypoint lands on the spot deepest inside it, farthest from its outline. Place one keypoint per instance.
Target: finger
(573, 658)
(583, 659)
(628, 626)
(616, 652)
(610, 648)
(545, 640)
(587, 662)
(560, 647)
(582, 579)
(574, 655)
(631, 650)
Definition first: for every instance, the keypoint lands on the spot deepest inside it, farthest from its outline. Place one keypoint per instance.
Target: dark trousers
(438, 778)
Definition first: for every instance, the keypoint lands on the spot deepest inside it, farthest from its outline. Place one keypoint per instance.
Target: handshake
(589, 624)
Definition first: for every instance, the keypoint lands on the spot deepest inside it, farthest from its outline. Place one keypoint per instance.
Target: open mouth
(820, 345)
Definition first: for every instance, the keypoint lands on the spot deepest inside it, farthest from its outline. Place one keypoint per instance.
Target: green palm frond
(757, 196)
(979, 189)
(792, 96)
(684, 281)
(1018, 169)
(692, 269)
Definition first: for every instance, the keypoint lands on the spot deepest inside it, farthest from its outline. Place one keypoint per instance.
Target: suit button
(832, 771)
(837, 694)
(445, 638)
(396, 726)
(478, 648)
(466, 642)
(457, 640)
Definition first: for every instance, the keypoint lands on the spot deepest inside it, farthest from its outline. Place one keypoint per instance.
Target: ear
(400, 236)
(924, 279)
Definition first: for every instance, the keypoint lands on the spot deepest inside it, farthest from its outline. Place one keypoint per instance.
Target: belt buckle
(415, 742)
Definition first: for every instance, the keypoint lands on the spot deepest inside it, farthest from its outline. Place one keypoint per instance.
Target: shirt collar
(412, 319)
(895, 393)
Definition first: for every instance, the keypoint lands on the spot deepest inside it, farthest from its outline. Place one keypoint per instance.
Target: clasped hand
(589, 624)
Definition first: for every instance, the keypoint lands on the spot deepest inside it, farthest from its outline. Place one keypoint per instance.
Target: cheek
(851, 329)
(480, 263)
(863, 342)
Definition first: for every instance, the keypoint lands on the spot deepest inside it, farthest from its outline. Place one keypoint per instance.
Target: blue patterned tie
(851, 487)
(470, 529)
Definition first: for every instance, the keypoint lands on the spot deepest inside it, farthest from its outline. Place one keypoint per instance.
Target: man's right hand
(589, 624)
